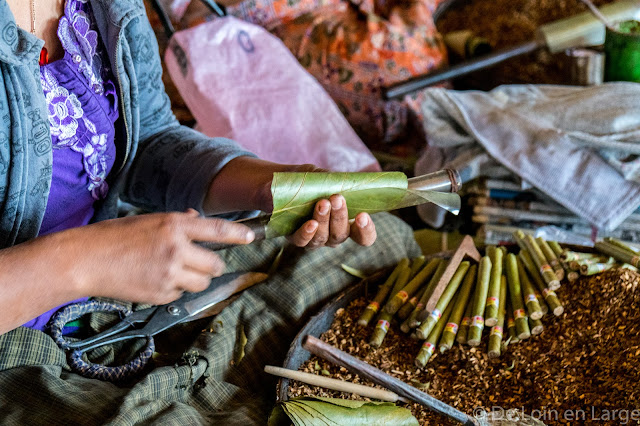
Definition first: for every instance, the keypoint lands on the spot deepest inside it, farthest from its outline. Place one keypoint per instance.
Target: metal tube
(404, 88)
(447, 180)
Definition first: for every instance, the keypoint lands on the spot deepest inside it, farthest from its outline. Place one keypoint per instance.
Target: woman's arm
(147, 259)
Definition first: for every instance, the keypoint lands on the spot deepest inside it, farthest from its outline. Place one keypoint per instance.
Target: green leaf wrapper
(307, 411)
(295, 196)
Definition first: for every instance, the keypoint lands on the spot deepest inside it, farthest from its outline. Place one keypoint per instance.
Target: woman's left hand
(330, 225)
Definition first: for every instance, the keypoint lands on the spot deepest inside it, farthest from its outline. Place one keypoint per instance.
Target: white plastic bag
(241, 82)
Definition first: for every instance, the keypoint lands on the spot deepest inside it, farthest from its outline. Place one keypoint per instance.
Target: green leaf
(295, 196)
(353, 271)
(319, 411)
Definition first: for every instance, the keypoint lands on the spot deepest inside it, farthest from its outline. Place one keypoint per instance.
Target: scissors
(145, 323)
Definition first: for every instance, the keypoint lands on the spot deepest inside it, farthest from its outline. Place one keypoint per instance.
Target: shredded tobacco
(587, 359)
(512, 22)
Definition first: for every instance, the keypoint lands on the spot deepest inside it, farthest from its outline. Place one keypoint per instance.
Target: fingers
(203, 261)
(322, 215)
(302, 237)
(363, 230)
(339, 222)
(193, 281)
(217, 230)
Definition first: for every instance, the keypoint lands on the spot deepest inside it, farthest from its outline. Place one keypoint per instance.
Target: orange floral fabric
(354, 48)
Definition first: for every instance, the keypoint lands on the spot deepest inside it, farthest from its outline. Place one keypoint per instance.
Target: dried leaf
(276, 262)
(241, 342)
(353, 271)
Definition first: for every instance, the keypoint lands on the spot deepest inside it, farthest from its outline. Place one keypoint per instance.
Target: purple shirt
(83, 107)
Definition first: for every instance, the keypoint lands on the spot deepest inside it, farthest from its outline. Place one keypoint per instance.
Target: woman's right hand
(148, 259)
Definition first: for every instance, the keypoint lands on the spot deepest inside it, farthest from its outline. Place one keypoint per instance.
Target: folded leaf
(319, 411)
(295, 195)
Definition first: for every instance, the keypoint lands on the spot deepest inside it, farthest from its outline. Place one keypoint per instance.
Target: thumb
(192, 212)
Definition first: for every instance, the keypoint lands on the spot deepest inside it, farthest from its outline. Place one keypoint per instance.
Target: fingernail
(324, 208)
(336, 203)
(311, 227)
(362, 221)
(250, 236)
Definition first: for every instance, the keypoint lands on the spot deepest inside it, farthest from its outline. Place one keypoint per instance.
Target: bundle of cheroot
(507, 294)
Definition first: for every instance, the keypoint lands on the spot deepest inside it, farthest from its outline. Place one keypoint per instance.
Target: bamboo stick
(459, 307)
(400, 297)
(381, 296)
(412, 321)
(529, 293)
(515, 292)
(497, 331)
(461, 337)
(551, 258)
(429, 346)
(333, 384)
(492, 305)
(427, 325)
(549, 295)
(620, 254)
(474, 334)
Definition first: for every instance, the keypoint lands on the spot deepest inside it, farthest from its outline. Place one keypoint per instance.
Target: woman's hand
(330, 225)
(245, 184)
(149, 259)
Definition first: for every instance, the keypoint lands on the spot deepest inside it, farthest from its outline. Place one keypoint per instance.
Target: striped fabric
(193, 378)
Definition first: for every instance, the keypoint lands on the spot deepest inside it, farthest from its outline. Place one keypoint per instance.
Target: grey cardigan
(160, 165)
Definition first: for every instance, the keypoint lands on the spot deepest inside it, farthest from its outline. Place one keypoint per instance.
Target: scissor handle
(77, 349)
(116, 333)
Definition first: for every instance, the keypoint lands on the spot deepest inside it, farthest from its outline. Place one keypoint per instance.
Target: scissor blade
(221, 288)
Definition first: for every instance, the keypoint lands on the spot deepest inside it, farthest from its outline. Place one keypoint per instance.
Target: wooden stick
(466, 248)
(379, 377)
(334, 384)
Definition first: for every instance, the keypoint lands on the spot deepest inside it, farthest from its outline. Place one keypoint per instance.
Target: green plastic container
(622, 50)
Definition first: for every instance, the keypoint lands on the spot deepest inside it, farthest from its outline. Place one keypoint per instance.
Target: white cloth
(577, 145)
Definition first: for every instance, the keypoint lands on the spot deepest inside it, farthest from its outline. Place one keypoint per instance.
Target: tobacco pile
(505, 23)
(588, 358)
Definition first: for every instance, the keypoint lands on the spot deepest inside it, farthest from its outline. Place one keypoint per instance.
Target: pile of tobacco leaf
(584, 368)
